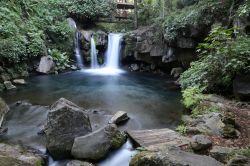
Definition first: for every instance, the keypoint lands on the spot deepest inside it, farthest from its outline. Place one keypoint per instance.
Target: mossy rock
(9, 161)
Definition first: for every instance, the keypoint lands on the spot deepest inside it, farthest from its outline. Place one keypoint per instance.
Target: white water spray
(114, 50)
(94, 60)
(112, 57)
(78, 55)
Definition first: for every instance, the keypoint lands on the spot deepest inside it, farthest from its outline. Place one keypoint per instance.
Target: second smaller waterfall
(94, 60)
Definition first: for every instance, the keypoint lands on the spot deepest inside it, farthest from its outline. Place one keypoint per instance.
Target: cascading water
(114, 49)
(120, 157)
(111, 65)
(78, 55)
(94, 60)
(77, 50)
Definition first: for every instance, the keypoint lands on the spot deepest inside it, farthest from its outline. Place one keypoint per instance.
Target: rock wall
(149, 45)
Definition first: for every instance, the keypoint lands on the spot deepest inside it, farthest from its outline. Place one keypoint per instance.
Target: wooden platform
(125, 5)
(152, 139)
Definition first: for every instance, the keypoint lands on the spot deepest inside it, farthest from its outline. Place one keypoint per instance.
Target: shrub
(221, 57)
(182, 129)
(61, 59)
(192, 97)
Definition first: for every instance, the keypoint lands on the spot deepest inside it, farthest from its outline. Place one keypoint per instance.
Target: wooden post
(135, 14)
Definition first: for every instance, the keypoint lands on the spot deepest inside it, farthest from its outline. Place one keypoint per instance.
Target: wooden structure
(124, 8)
(153, 139)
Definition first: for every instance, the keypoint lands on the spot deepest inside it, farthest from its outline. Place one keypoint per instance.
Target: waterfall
(78, 55)
(112, 56)
(120, 157)
(77, 42)
(114, 49)
(94, 60)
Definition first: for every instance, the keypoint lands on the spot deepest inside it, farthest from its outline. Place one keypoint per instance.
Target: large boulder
(8, 85)
(96, 145)
(12, 155)
(222, 154)
(3, 110)
(46, 65)
(172, 156)
(119, 117)
(200, 142)
(65, 122)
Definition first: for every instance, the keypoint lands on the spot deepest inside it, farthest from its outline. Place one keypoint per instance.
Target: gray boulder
(239, 160)
(97, 145)
(208, 124)
(65, 122)
(176, 72)
(12, 155)
(46, 65)
(172, 156)
(79, 163)
(119, 117)
(8, 85)
(3, 110)
(200, 142)
(221, 154)
(134, 67)
(19, 81)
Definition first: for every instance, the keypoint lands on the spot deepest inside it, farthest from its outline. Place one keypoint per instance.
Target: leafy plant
(222, 56)
(192, 97)
(61, 59)
(182, 129)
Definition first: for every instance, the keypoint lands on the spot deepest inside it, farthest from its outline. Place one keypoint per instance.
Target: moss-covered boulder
(13, 155)
(96, 145)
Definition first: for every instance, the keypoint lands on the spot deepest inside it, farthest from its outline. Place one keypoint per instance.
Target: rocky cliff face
(148, 44)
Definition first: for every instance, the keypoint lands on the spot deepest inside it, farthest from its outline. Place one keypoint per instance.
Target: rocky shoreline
(216, 138)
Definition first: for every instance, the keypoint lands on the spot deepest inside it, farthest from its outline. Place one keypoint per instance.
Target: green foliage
(199, 15)
(182, 129)
(148, 10)
(89, 9)
(29, 27)
(61, 59)
(244, 9)
(221, 57)
(202, 109)
(192, 97)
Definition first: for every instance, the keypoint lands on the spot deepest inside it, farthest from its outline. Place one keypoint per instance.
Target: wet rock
(119, 117)
(46, 65)
(176, 72)
(73, 67)
(4, 108)
(79, 163)
(172, 156)
(12, 155)
(241, 86)
(8, 85)
(221, 154)
(208, 124)
(186, 43)
(96, 145)
(2, 87)
(19, 81)
(239, 160)
(5, 77)
(134, 67)
(3, 131)
(200, 142)
(65, 122)
(87, 35)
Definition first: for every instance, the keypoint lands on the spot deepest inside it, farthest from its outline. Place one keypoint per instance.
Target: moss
(40, 163)
(118, 140)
